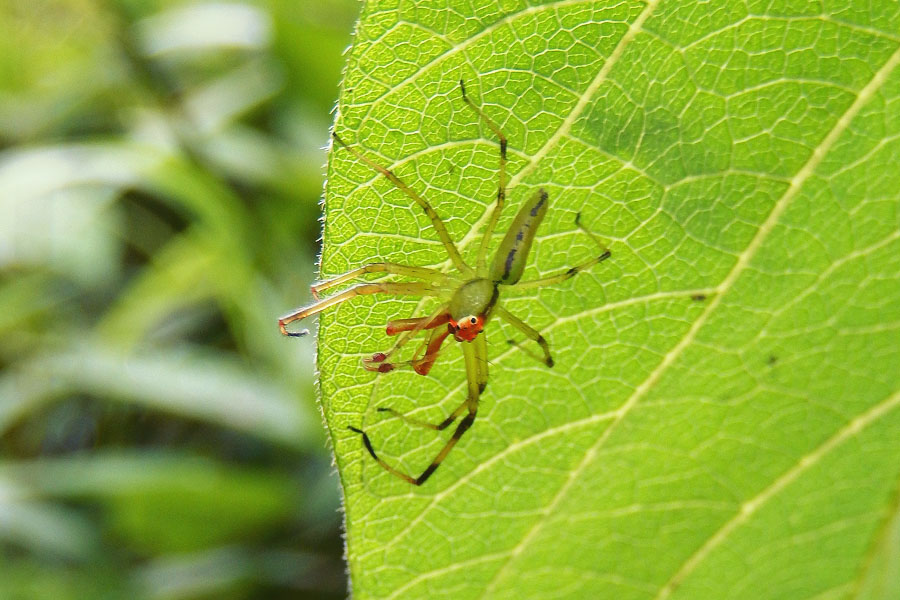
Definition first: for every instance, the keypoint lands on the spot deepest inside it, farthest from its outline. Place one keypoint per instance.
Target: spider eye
(473, 320)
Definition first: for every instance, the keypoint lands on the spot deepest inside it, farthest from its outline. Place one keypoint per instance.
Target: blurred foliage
(160, 173)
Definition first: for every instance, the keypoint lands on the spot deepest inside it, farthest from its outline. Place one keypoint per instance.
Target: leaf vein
(752, 506)
(469, 41)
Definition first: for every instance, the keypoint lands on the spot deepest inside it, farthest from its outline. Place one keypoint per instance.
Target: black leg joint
(426, 474)
(366, 441)
(445, 423)
(460, 430)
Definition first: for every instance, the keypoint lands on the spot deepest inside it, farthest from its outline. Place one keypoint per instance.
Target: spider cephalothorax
(470, 308)
(470, 299)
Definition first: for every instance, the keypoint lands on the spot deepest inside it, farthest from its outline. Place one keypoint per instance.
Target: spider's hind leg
(530, 332)
(474, 356)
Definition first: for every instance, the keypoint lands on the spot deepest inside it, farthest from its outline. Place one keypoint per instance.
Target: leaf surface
(724, 414)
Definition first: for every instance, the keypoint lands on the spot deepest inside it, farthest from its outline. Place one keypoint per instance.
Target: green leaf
(723, 420)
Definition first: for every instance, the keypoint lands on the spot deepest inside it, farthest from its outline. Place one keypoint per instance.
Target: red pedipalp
(401, 325)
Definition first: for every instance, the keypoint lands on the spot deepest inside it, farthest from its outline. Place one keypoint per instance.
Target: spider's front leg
(420, 423)
(396, 289)
(422, 273)
(423, 369)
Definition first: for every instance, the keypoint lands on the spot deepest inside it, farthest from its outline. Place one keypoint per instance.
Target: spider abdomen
(512, 255)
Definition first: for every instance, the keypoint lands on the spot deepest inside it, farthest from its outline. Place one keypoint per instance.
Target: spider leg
(569, 273)
(473, 354)
(397, 289)
(481, 355)
(423, 273)
(423, 366)
(527, 351)
(529, 331)
(481, 265)
(436, 221)
(439, 427)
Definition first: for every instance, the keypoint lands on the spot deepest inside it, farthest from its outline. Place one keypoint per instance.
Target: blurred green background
(161, 165)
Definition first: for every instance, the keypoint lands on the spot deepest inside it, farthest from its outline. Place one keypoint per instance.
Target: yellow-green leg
(396, 289)
(481, 265)
(480, 351)
(473, 354)
(529, 331)
(436, 221)
(420, 423)
(423, 273)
